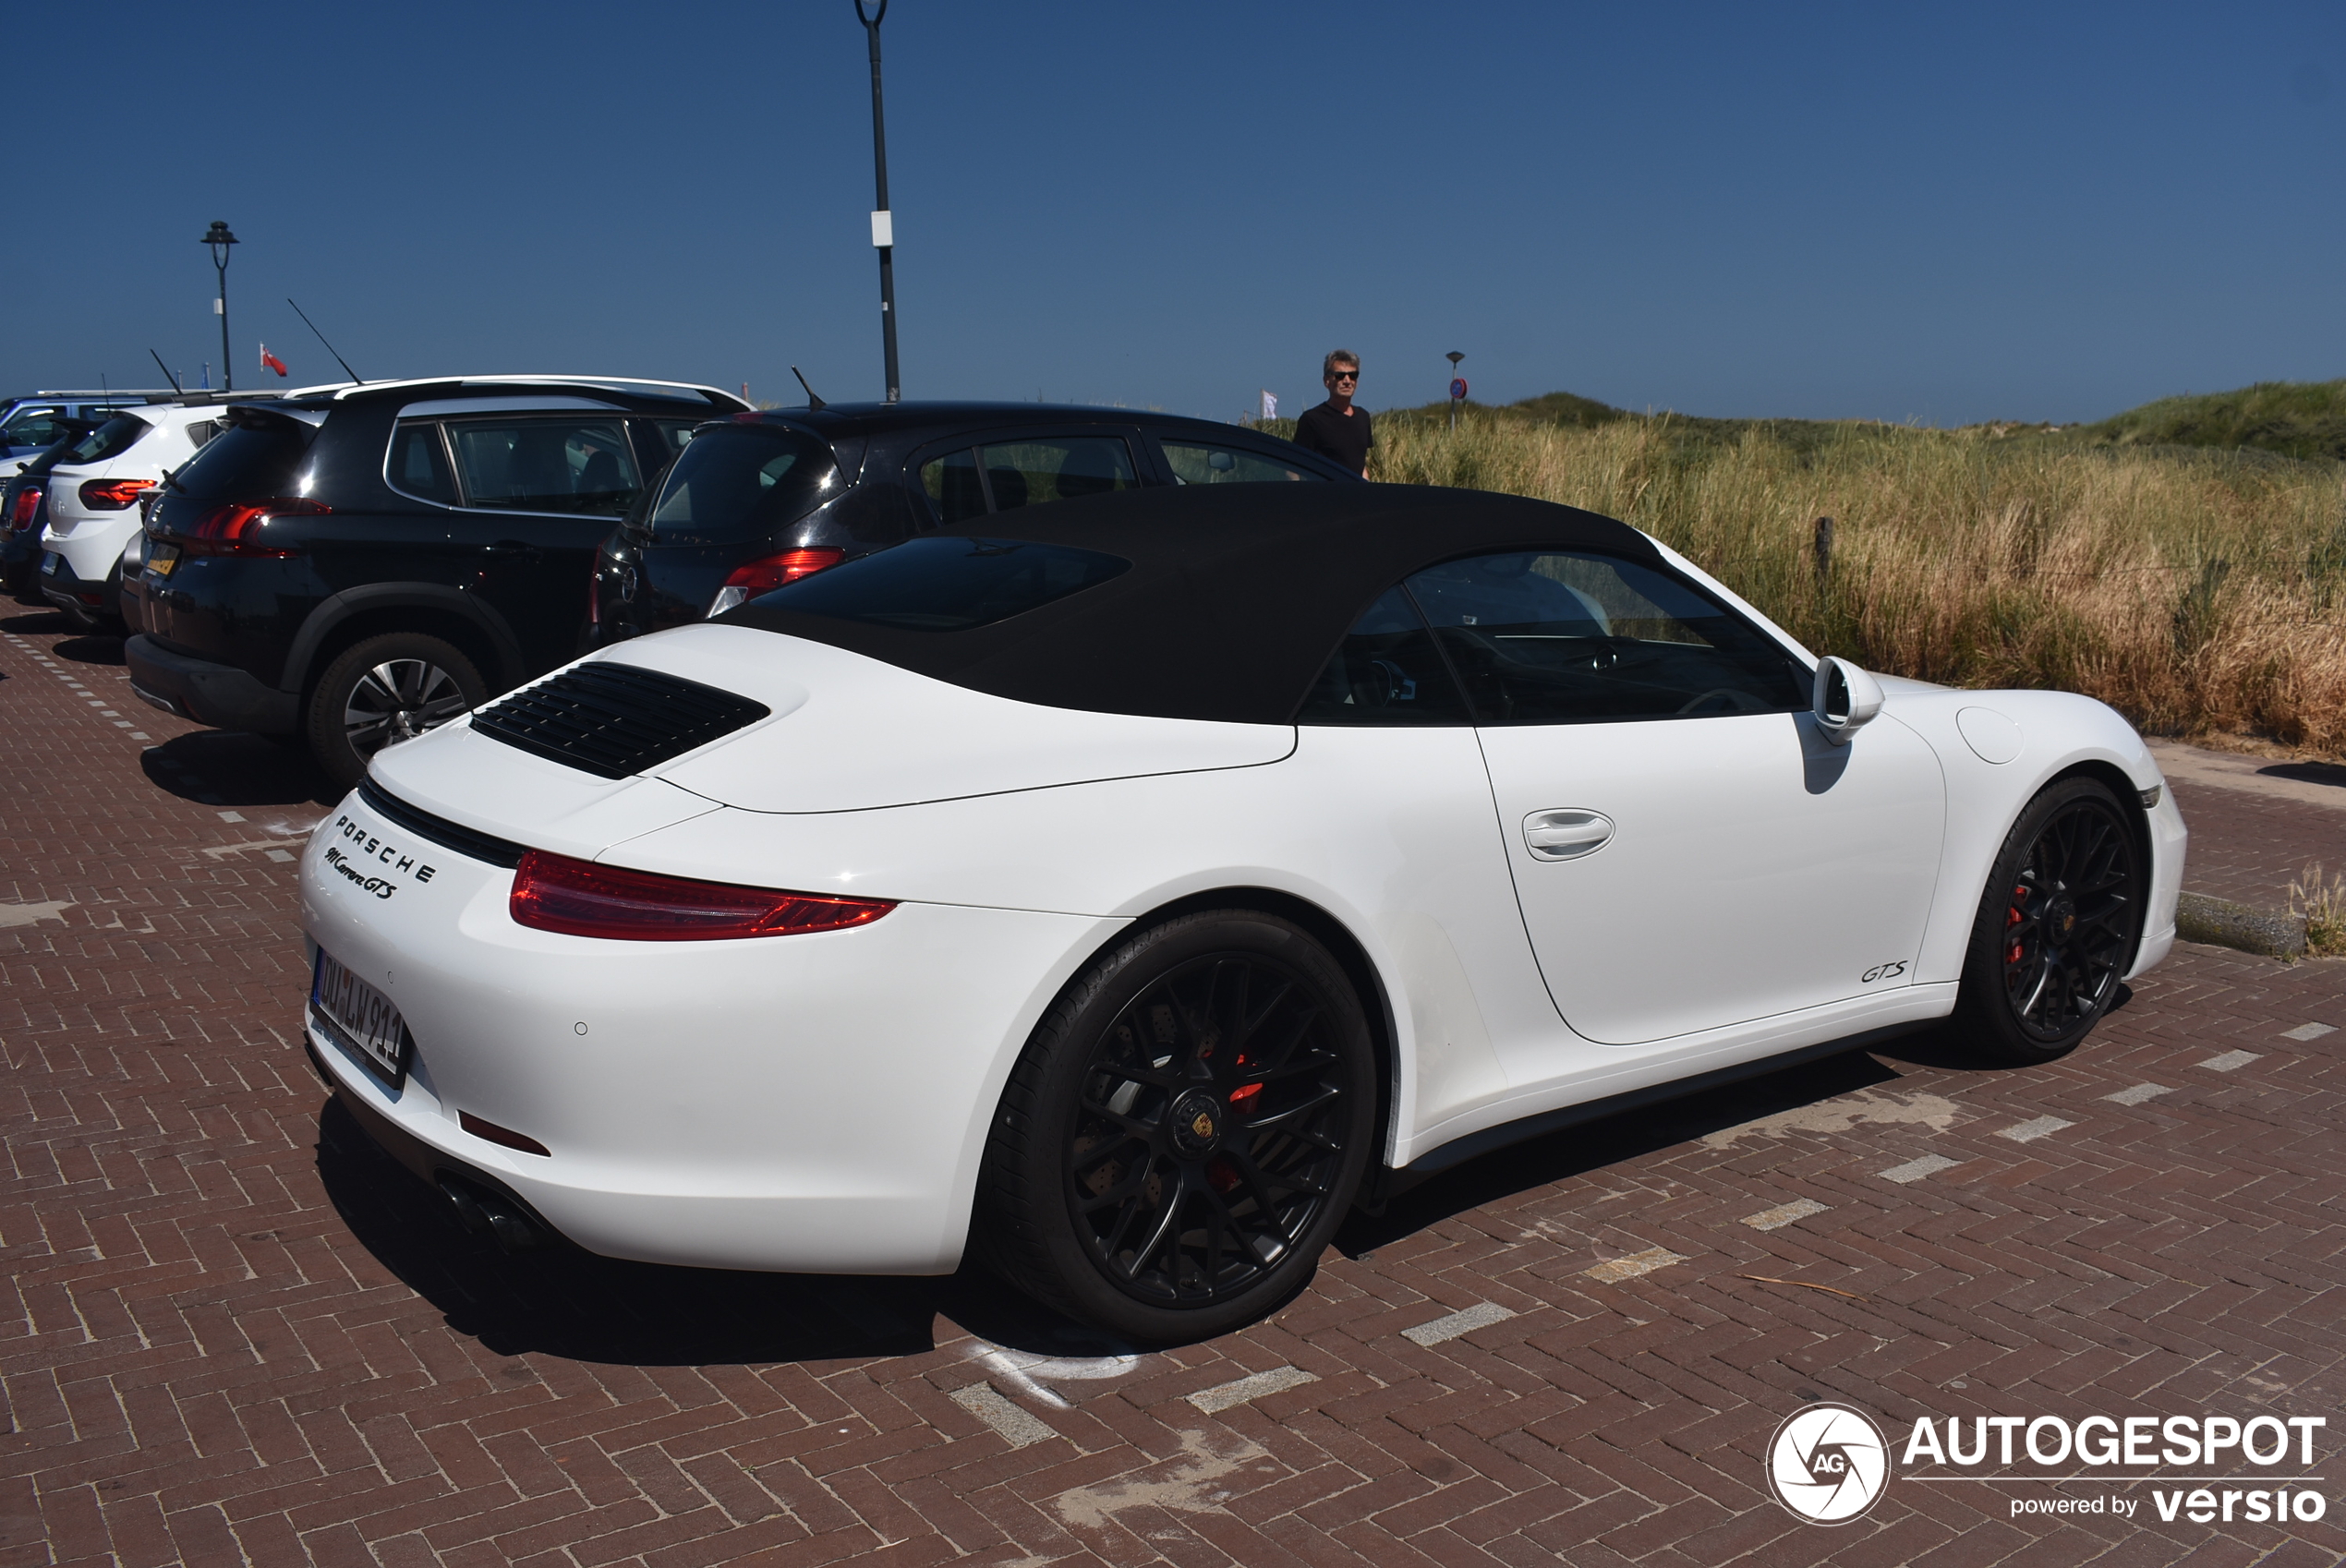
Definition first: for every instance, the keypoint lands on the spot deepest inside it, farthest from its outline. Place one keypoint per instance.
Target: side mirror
(1846, 701)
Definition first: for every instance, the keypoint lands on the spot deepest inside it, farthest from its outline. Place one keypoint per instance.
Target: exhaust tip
(486, 1212)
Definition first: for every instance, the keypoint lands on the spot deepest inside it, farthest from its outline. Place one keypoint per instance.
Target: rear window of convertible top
(947, 584)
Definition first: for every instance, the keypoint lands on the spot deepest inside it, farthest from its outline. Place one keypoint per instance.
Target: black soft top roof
(1236, 596)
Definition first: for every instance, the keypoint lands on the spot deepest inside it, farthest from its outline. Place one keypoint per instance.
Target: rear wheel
(2056, 927)
(1184, 1130)
(383, 690)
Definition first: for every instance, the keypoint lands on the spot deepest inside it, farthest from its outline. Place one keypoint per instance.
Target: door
(1688, 851)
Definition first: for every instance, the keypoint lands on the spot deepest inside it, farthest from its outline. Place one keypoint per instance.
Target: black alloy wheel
(1185, 1132)
(2057, 925)
(383, 690)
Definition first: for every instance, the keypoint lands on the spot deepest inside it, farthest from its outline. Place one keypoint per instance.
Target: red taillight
(28, 504)
(580, 898)
(235, 529)
(113, 495)
(770, 571)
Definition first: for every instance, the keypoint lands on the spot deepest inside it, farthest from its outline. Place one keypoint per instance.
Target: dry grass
(2322, 907)
(2200, 592)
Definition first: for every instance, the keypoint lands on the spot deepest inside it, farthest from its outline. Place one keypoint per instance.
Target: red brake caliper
(2011, 918)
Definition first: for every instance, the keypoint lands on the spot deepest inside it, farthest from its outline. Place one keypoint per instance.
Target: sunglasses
(1344, 375)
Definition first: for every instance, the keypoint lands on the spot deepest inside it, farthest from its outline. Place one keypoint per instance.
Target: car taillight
(770, 571)
(580, 898)
(113, 495)
(234, 529)
(28, 503)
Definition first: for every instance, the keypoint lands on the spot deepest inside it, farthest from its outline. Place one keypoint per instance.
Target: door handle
(512, 549)
(1566, 834)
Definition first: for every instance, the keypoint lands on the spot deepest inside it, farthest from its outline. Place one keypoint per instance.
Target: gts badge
(1883, 971)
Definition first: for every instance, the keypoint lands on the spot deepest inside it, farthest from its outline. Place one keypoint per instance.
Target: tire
(1141, 1177)
(2057, 926)
(383, 690)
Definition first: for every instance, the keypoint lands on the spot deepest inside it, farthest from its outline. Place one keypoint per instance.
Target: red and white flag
(269, 361)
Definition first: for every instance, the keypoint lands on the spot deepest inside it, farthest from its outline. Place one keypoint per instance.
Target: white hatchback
(97, 496)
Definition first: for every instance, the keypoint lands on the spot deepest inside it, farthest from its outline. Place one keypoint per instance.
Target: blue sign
(1457, 388)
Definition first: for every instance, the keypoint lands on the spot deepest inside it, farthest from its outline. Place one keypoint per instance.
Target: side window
(559, 465)
(419, 464)
(1385, 671)
(1031, 473)
(1196, 464)
(1563, 637)
(952, 487)
(34, 427)
(675, 433)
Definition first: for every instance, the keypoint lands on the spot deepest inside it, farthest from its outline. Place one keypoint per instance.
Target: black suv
(354, 568)
(762, 498)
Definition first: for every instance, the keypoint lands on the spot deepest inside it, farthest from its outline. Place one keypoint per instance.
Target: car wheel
(2056, 927)
(1184, 1130)
(383, 690)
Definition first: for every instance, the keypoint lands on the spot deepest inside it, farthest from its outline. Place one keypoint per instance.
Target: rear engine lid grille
(616, 720)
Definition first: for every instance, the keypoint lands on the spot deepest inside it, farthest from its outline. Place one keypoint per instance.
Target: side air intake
(616, 720)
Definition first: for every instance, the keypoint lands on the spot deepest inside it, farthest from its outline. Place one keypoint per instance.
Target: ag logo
(1828, 1464)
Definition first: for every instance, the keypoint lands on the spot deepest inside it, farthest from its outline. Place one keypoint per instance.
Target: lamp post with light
(220, 239)
(883, 221)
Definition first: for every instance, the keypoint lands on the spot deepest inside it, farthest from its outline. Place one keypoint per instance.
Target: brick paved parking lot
(237, 1336)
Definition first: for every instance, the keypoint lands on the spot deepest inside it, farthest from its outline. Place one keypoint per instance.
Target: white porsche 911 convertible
(1111, 892)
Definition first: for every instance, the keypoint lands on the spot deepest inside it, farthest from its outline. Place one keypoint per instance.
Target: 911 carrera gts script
(362, 847)
(1883, 971)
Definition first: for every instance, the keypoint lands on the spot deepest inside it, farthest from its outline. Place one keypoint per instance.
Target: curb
(2199, 918)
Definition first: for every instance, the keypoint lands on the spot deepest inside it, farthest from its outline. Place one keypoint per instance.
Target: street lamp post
(220, 239)
(883, 220)
(1458, 386)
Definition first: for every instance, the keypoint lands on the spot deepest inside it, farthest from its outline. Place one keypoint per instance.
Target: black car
(24, 509)
(355, 567)
(762, 498)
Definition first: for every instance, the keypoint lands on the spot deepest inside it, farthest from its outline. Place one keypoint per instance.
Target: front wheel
(383, 690)
(1184, 1132)
(2057, 925)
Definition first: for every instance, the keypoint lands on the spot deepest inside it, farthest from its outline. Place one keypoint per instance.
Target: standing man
(1336, 429)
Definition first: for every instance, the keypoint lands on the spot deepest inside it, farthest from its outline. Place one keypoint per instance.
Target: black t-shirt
(1331, 434)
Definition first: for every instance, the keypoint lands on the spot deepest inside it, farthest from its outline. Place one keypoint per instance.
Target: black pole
(220, 238)
(880, 209)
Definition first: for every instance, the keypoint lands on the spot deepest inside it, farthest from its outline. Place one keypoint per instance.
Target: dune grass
(2199, 592)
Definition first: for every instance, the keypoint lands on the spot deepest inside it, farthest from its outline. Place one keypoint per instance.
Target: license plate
(361, 1020)
(49, 564)
(166, 557)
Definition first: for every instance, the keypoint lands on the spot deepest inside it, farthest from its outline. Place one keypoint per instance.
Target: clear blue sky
(1944, 213)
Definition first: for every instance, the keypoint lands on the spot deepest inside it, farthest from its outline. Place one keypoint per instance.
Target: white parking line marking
(232, 816)
(1017, 1427)
(1783, 1215)
(2138, 1093)
(2231, 1061)
(1223, 1396)
(1635, 1264)
(1480, 1316)
(277, 855)
(2309, 1032)
(1914, 1170)
(2029, 1131)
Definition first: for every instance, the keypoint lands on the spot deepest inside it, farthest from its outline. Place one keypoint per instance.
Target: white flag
(1270, 406)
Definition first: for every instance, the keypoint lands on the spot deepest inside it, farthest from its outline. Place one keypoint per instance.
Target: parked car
(356, 566)
(29, 424)
(24, 512)
(96, 497)
(763, 498)
(1115, 890)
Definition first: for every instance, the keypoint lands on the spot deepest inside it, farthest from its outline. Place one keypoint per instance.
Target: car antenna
(167, 372)
(306, 322)
(814, 404)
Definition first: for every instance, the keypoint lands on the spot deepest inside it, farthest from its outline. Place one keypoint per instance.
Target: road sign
(1457, 388)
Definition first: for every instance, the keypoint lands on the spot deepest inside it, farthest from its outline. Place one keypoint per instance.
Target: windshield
(734, 481)
(106, 442)
(946, 585)
(251, 459)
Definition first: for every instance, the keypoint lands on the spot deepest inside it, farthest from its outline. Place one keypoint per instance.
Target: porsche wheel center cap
(2060, 917)
(1196, 1123)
